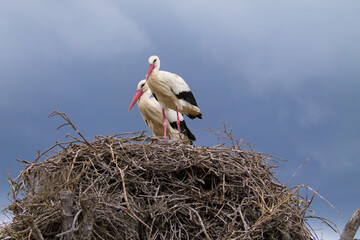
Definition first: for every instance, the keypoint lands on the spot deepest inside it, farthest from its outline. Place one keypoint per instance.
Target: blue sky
(284, 75)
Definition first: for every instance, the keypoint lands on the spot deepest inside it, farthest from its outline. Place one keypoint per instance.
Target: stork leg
(164, 119)
(178, 123)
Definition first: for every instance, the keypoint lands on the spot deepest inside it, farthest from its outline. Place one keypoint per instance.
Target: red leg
(178, 123)
(164, 119)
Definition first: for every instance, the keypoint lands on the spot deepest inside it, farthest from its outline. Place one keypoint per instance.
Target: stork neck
(147, 94)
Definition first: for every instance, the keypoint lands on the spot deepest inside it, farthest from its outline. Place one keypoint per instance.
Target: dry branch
(36, 232)
(351, 227)
(88, 205)
(66, 203)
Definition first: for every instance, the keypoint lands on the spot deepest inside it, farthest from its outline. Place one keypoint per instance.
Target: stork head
(141, 88)
(154, 62)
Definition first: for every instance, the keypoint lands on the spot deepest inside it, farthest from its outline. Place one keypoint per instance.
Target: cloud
(276, 46)
(52, 48)
(291, 51)
(312, 112)
(337, 154)
(43, 30)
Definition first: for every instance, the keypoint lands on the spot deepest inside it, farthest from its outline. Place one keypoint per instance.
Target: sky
(284, 75)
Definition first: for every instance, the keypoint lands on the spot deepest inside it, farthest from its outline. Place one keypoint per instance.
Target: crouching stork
(151, 112)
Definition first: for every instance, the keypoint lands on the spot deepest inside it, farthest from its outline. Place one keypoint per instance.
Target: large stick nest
(130, 187)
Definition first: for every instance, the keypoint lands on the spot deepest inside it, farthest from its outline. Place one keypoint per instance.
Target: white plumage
(171, 91)
(151, 112)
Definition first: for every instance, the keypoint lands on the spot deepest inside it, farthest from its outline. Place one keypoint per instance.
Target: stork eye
(142, 85)
(154, 61)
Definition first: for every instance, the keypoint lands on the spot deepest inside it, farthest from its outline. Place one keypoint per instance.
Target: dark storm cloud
(67, 30)
(284, 48)
(284, 75)
(276, 45)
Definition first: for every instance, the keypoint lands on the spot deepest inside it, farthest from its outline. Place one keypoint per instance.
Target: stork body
(151, 112)
(172, 92)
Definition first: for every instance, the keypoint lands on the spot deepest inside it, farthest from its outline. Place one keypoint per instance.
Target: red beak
(136, 97)
(151, 68)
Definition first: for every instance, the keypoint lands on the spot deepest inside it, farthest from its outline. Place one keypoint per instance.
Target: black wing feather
(184, 130)
(193, 117)
(187, 96)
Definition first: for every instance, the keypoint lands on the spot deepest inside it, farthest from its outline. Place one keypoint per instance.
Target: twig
(201, 223)
(124, 190)
(49, 149)
(73, 228)
(32, 224)
(316, 192)
(68, 122)
(126, 199)
(297, 170)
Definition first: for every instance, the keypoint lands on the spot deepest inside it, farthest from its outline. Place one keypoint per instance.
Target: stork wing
(187, 96)
(180, 88)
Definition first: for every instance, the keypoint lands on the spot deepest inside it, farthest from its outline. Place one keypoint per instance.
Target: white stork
(172, 92)
(150, 110)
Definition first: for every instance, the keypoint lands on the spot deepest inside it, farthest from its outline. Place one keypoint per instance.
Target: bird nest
(130, 187)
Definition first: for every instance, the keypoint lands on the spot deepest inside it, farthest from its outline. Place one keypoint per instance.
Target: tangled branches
(128, 187)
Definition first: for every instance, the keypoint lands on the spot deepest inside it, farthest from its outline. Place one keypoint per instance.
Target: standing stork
(172, 92)
(150, 110)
